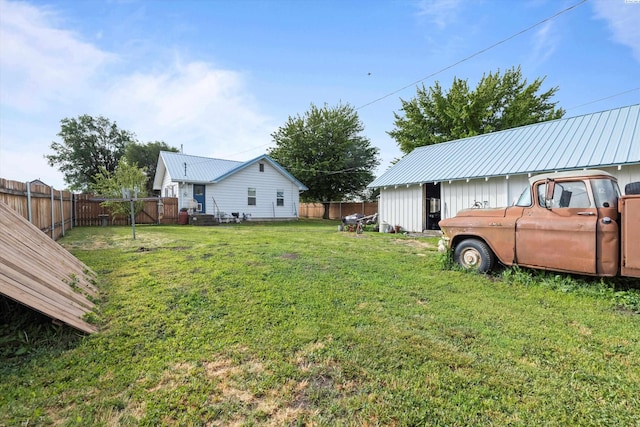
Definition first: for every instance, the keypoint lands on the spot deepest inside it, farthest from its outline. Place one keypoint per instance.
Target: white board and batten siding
(232, 194)
(402, 205)
(405, 206)
(494, 192)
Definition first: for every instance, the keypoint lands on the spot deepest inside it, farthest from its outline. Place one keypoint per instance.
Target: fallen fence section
(39, 273)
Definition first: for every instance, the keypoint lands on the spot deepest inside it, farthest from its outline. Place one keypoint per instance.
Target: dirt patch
(415, 243)
(290, 256)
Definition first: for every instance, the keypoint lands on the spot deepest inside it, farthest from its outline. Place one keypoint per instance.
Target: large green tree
(88, 145)
(146, 157)
(500, 101)
(325, 149)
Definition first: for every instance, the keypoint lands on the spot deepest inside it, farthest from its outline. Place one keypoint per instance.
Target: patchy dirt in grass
(415, 243)
(289, 256)
(277, 404)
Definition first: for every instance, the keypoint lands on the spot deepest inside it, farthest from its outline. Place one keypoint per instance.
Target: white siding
(495, 192)
(231, 194)
(625, 175)
(402, 206)
(500, 192)
(183, 191)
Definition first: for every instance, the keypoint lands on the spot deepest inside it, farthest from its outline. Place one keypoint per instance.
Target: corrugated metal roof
(202, 170)
(607, 138)
(182, 167)
(265, 158)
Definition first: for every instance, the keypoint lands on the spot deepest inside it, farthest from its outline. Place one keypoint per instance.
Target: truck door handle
(586, 213)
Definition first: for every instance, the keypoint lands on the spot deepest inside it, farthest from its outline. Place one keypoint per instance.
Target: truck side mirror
(548, 197)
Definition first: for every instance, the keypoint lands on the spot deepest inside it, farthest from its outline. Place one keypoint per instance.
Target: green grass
(299, 324)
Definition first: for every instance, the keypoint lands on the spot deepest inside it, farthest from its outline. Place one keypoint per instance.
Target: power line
(605, 98)
(477, 53)
(480, 52)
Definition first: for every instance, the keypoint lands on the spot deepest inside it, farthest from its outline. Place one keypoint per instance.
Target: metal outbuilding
(437, 181)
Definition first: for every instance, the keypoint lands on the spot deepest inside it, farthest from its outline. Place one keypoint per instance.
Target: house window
(261, 166)
(251, 199)
(280, 198)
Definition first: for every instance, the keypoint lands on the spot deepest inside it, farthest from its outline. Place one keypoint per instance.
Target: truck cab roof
(571, 174)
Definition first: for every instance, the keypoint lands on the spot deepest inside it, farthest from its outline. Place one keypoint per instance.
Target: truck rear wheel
(474, 254)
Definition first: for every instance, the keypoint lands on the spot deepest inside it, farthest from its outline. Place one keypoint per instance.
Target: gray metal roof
(607, 138)
(195, 169)
(203, 170)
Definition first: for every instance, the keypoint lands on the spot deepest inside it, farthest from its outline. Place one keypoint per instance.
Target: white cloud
(545, 42)
(49, 73)
(623, 20)
(439, 12)
(206, 109)
(41, 63)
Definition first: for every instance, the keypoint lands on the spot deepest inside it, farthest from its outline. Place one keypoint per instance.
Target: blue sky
(217, 77)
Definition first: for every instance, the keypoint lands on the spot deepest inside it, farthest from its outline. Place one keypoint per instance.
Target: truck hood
(492, 212)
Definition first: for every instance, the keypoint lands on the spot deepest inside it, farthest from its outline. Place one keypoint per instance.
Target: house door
(199, 196)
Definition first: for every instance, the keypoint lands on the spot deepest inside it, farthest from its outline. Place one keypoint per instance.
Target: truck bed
(629, 207)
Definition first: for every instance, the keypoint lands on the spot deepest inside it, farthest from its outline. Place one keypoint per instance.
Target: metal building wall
(500, 191)
(492, 193)
(402, 205)
(405, 205)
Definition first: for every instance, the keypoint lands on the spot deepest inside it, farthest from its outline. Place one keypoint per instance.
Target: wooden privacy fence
(338, 210)
(56, 211)
(48, 209)
(89, 212)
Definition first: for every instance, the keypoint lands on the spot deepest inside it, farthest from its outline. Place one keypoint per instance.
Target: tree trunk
(327, 206)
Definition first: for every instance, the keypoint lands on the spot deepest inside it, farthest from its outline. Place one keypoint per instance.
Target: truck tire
(474, 254)
(632, 188)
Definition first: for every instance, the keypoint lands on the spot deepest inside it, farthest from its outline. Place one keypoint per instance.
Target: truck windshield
(605, 193)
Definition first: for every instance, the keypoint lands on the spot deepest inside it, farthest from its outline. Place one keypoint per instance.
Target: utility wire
(450, 66)
(605, 98)
(480, 52)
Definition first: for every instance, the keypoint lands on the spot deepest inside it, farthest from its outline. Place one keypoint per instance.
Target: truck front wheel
(473, 254)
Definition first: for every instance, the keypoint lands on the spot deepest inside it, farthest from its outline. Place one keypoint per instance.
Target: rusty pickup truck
(576, 222)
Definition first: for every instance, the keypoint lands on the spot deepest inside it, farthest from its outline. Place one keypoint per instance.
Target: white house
(259, 188)
(491, 170)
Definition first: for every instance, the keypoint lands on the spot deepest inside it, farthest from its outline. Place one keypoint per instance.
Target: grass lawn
(299, 324)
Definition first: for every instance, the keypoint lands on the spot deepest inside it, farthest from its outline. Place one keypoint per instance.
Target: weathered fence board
(45, 207)
(54, 211)
(90, 212)
(39, 273)
(337, 210)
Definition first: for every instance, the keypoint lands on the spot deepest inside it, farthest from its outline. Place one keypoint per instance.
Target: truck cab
(574, 222)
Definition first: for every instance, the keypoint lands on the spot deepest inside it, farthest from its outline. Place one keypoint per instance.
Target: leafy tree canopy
(146, 157)
(325, 149)
(88, 145)
(110, 185)
(499, 102)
